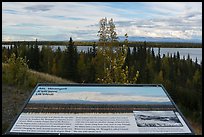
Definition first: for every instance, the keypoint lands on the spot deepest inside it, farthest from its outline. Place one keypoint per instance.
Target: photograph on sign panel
(100, 95)
(75, 99)
(157, 119)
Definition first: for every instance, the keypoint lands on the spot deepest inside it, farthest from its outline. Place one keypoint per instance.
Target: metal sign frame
(98, 85)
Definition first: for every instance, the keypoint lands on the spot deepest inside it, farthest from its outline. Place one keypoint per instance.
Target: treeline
(91, 43)
(49, 43)
(182, 78)
(92, 108)
(168, 44)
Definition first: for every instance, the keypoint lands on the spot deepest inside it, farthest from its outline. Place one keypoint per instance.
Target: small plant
(15, 72)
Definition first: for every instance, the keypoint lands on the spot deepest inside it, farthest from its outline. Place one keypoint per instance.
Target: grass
(35, 77)
(44, 77)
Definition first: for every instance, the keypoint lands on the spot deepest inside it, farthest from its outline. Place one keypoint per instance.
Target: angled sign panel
(99, 109)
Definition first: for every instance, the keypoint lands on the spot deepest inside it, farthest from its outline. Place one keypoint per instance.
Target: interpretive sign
(99, 109)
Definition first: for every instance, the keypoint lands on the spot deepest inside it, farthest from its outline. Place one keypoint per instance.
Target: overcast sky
(79, 20)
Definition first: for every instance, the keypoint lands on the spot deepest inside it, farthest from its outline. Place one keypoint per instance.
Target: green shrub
(15, 71)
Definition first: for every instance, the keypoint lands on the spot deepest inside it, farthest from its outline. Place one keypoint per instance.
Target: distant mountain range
(99, 102)
(155, 39)
(160, 39)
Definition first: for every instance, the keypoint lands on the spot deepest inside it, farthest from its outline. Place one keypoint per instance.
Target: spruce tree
(71, 61)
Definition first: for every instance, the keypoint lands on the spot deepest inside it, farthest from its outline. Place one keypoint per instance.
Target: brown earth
(12, 102)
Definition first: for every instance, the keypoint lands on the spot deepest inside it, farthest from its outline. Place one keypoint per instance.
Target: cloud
(174, 19)
(36, 8)
(67, 18)
(10, 11)
(185, 26)
(96, 96)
